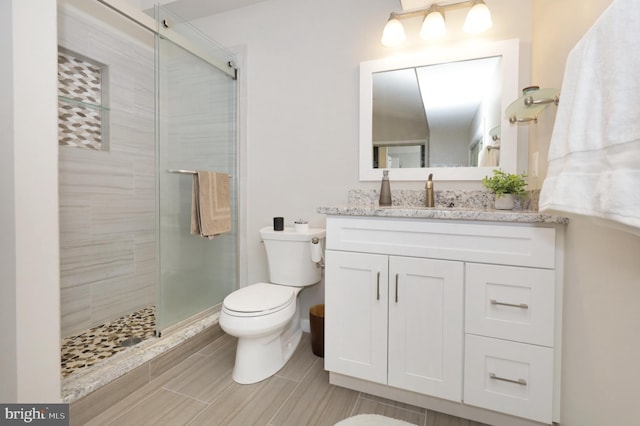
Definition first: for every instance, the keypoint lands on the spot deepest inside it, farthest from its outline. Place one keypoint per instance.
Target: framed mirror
(439, 112)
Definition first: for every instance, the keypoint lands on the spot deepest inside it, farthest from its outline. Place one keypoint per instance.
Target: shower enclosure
(142, 103)
(197, 131)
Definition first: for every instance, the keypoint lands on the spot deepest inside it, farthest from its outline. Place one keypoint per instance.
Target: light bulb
(393, 34)
(478, 19)
(433, 26)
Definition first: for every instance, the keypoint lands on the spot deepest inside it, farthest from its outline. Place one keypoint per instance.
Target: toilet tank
(289, 256)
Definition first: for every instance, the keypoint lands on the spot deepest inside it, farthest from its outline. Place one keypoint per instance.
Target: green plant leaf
(505, 183)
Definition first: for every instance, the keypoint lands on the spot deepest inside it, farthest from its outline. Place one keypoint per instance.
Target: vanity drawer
(505, 244)
(510, 377)
(511, 303)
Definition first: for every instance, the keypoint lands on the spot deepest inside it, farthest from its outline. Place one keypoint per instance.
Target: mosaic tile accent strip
(80, 97)
(79, 126)
(101, 342)
(79, 79)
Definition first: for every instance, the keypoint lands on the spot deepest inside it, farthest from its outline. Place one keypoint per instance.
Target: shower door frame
(227, 67)
(124, 8)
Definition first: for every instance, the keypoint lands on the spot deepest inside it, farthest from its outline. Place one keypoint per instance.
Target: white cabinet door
(426, 326)
(356, 288)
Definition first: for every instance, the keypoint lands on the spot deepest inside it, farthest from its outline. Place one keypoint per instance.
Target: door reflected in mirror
(437, 115)
(397, 156)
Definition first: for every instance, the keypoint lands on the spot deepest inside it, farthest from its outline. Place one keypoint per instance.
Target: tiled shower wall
(107, 198)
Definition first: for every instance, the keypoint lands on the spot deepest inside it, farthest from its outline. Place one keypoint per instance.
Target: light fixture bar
(426, 10)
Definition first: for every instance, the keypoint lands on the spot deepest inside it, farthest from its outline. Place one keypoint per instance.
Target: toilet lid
(259, 297)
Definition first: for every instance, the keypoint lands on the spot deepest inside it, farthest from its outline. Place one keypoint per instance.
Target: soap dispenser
(385, 190)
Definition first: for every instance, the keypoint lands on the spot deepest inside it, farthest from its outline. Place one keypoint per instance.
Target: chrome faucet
(429, 200)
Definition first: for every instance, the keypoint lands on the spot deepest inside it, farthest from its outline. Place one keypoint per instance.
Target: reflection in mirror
(436, 115)
(440, 110)
(396, 155)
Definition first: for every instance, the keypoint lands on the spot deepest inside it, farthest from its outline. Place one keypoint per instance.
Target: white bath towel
(594, 154)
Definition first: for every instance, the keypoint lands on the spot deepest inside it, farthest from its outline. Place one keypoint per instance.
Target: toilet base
(261, 358)
(265, 343)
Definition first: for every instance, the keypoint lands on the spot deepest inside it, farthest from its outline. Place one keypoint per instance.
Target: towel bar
(186, 172)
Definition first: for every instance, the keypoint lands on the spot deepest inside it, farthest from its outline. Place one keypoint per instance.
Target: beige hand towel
(210, 205)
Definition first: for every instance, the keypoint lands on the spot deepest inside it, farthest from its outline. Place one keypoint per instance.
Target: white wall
(302, 65)
(449, 145)
(601, 343)
(29, 273)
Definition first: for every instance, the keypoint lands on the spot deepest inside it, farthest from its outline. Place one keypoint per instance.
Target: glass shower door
(197, 131)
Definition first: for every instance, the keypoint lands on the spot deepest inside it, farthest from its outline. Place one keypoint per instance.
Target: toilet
(265, 316)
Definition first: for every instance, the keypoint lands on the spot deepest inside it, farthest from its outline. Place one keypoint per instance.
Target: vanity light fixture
(478, 20)
(393, 34)
(433, 25)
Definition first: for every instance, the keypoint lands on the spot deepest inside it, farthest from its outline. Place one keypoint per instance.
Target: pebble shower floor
(101, 342)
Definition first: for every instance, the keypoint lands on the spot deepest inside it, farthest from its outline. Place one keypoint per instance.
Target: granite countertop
(450, 205)
(515, 216)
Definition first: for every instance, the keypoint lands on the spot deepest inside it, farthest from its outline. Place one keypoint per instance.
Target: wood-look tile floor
(200, 391)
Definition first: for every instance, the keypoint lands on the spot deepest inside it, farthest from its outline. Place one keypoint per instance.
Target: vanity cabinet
(395, 320)
(461, 311)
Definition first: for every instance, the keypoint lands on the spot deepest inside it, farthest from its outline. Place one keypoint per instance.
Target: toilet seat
(258, 300)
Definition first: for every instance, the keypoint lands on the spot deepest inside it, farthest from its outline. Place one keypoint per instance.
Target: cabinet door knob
(378, 287)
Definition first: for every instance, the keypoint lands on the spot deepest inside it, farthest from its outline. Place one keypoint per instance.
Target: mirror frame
(509, 50)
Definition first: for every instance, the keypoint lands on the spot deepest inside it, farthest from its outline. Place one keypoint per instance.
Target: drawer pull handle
(378, 287)
(513, 305)
(397, 288)
(522, 382)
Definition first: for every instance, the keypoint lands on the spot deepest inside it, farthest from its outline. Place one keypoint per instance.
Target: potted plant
(505, 186)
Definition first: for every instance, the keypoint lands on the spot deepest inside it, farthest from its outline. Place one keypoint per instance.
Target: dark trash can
(316, 324)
